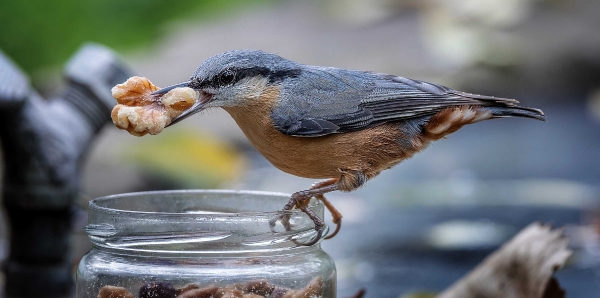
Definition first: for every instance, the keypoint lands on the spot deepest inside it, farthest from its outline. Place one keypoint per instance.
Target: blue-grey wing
(323, 101)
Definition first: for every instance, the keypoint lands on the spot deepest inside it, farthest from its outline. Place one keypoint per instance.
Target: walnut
(139, 112)
(114, 292)
(194, 291)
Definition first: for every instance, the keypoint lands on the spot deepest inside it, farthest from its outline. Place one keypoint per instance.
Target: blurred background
(427, 221)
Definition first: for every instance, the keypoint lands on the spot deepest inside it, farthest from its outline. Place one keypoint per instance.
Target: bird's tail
(503, 107)
(517, 111)
(453, 118)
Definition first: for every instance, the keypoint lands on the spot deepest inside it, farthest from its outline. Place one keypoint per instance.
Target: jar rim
(199, 221)
(94, 203)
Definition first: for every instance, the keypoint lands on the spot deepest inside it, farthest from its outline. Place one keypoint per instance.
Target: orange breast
(370, 150)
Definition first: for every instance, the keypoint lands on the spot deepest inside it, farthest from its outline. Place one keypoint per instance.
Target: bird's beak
(196, 107)
(167, 89)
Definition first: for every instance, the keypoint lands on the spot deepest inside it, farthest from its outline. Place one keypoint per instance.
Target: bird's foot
(319, 225)
(301, 200)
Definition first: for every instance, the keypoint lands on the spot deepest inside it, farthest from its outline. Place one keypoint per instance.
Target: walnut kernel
(139, 112)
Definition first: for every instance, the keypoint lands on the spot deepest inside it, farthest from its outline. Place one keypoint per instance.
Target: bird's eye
(226, 77)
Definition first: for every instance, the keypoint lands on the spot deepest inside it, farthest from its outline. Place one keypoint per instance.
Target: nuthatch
(329, 123)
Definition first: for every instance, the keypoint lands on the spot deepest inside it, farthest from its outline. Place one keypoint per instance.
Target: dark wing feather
(330, 100)
(315, 127)
(397, 98)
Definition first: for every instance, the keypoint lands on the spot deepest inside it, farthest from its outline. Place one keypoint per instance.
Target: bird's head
(234, 78)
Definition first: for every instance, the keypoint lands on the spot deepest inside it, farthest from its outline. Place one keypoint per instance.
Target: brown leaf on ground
(522, 268)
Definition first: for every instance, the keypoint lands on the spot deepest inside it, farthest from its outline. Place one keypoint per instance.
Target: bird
(344, 126)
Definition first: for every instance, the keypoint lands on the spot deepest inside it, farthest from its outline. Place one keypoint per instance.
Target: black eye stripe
(280, 75)
(195, 83)
(252, 72)
(242, 73)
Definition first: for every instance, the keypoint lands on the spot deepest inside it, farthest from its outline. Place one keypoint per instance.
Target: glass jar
(170, 243)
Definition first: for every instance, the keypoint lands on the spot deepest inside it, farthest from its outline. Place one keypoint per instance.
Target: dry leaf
(522, 268)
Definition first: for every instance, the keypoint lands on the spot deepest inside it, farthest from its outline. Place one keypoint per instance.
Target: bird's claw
(316, 238)
(295, 201)
(337, 216)
(319, 224)
(338, 226)
(285, 221)
(301, 200)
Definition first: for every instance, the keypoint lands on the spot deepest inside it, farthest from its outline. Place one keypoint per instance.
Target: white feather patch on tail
(452, 119)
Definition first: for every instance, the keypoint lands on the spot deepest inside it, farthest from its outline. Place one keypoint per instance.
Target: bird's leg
(348, 181)
(302, 198)
(337, 216)
(298, 198)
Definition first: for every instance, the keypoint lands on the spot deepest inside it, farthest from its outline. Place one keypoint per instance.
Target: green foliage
(45, 33)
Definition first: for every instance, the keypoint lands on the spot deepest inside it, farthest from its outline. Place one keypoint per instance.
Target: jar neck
(199, 222)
